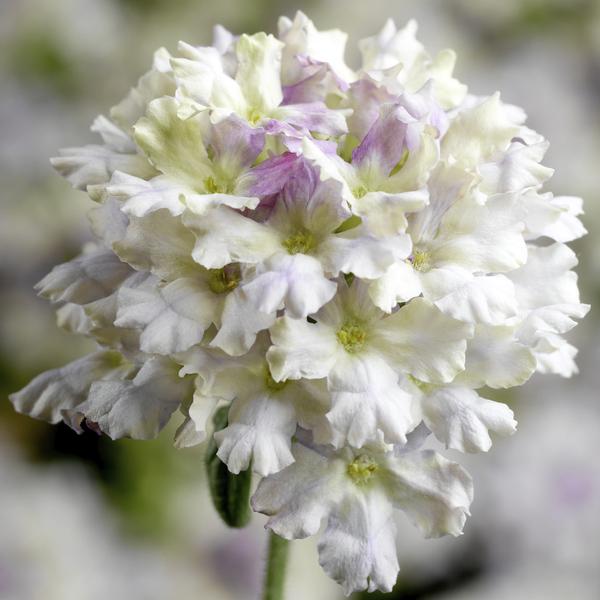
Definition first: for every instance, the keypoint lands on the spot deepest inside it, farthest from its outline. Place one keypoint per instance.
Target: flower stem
(276, 567)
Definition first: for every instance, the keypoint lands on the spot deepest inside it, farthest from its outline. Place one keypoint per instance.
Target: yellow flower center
(254, 116)
(421, 260)
(359, 191)
(271, 384)
(362, 469)
(221, 281)
(212, 186)
(352, 337)
(301, 242)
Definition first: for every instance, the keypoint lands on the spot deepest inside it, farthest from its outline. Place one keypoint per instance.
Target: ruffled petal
(301, 349)
(421, 340)
(94, 164)
(294, 282)
(298, 498)
(193, 430)
(160, 244)
(301, 37)
(362, 255)
(385, 214)
(141, 197)
(400, 283)
(516, 169)
(259, 66)
(51, 394)
(175, 146)
(463, 420)
(477, 133)
(139, 408)
(223, 236)
(490, 300)
(172, 318)
(240, 323)
(496, 359)
(260, 429)
(87, 278)
(384, 408)
(483, 238)
(358, 547)
(434, 492)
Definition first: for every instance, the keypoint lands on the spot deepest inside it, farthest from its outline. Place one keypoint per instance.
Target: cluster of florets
(343, 257)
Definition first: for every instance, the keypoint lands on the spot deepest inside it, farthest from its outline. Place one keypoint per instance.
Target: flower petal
(400, 283)
(158, 243)
(479, 132)
(483, 238)
(462, 420)
(361, 254)
(489, 300)
(142, 197)
(301, 350)
(516, 169)
(260, 429)
(94, 164)
(298, 498)
(421, 340)
(50, 394)
(172, 318)
(434, 492)
(175, 146)
(259, 65)
(294, 282)
(384, 214)
(358, 547)
(235, 146)
(140, 408)
(90, 276)
(383, 408)
(496, 359)
(223, 236)
(240, 323)
(300, 36)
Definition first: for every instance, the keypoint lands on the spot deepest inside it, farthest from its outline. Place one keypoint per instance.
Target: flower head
(343, 257)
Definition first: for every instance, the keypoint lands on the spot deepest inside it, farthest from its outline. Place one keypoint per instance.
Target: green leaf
(230, 493)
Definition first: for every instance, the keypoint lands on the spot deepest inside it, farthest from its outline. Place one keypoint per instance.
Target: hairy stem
(276, 567)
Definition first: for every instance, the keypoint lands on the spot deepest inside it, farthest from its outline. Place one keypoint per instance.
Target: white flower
(363, 353)
(264, 412)
(342, 258)
(357, 496)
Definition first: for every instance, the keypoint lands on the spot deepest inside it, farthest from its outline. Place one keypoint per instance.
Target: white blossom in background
(348, 257)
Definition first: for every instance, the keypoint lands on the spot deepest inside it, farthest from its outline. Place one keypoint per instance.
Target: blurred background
(85, 518)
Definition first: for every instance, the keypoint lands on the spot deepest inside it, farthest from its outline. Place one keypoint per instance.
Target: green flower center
(254, 116)
(352, 336)
(221, 281)
(360, 191)
(421, 260)
(362, 469)
(212, 186)
(270, 383)
(301, 242)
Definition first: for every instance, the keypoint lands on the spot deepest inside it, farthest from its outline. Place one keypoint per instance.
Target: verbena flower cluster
(344, 257)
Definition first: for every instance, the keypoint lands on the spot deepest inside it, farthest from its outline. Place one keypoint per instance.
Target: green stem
(276, 566)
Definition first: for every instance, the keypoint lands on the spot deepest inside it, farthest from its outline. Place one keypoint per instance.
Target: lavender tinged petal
(313, 116)
(235, 144)
(382, 147)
